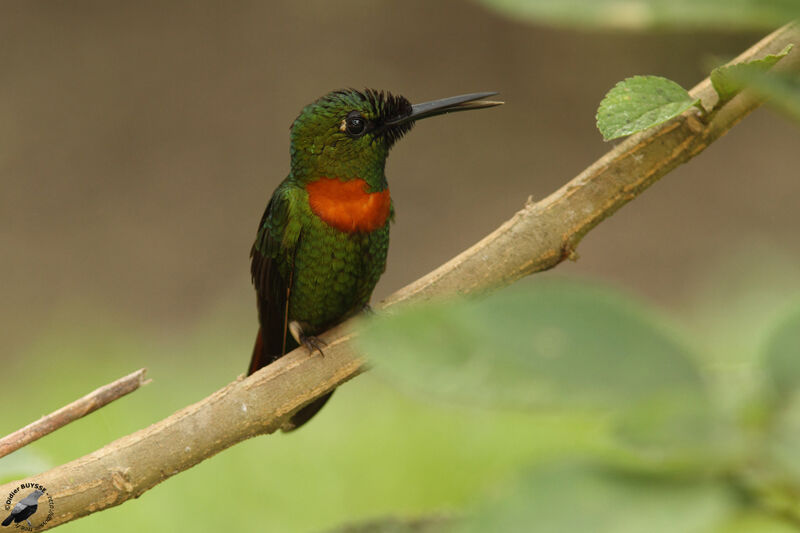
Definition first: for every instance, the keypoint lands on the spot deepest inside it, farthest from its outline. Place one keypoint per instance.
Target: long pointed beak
(464, 102)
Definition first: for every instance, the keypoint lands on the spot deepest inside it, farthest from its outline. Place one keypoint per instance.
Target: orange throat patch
(347, 206)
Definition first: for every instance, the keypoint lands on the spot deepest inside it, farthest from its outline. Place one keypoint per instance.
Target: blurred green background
(139, 144)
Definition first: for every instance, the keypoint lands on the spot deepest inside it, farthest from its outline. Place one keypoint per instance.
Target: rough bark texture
(536, 238)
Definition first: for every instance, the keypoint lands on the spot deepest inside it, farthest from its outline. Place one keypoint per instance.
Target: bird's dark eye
(355, 124)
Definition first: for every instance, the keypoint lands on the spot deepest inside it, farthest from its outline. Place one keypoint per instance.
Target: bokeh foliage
(685, 458)
(639, 15)
(377, 452)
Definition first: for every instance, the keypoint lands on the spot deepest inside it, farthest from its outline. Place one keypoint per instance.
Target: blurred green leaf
(534, 345)
(729, 15)
(756, 522)
(584, 498)
(680, 436)
(784, 441)
(433, 524)
(782, 359)
(781, 90)
(782, 355)
(730, 79)
(641, 102)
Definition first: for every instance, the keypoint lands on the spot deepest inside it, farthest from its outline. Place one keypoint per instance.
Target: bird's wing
(19, 507)
(272, 265)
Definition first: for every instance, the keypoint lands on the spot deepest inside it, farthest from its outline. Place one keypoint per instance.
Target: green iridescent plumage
(332, 272)
(309, 272)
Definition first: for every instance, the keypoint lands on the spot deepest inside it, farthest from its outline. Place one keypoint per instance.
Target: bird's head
(348, 133)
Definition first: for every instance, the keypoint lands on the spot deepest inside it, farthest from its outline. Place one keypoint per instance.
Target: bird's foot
(312, 343)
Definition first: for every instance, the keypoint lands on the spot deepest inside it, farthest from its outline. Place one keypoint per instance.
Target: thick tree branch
(73, 411)
(536, 238)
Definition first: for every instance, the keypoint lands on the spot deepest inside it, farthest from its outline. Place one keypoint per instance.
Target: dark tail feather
(256, 360)
(261, 359)
(8, 520)
(306, 413)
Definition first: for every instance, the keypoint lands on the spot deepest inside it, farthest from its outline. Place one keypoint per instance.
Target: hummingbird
(322, 242)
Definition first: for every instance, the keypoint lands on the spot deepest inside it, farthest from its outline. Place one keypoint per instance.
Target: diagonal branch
(538, 237)
(73, 411)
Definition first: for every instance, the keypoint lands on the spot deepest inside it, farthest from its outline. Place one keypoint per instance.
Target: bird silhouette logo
(24, 509)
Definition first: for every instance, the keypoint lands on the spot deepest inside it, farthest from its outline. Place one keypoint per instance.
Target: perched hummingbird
(322, 242)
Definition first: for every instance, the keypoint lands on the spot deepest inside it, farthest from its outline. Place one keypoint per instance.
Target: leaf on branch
(579, 497)
(641, 102)
(729, 80)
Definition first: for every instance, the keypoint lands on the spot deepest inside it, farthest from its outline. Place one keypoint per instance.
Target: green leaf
(641, 102)
(728, 15)
(564, 346)
(585, 498)
(728, 80)
(782, 360)
(782, 356)
(784, 438)
(756, 522)
(678, 436)
(534, 345)
(781, 90)
(433, 524)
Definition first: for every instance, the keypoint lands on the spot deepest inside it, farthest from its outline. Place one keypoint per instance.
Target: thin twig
(536, 238)
(71, 412)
